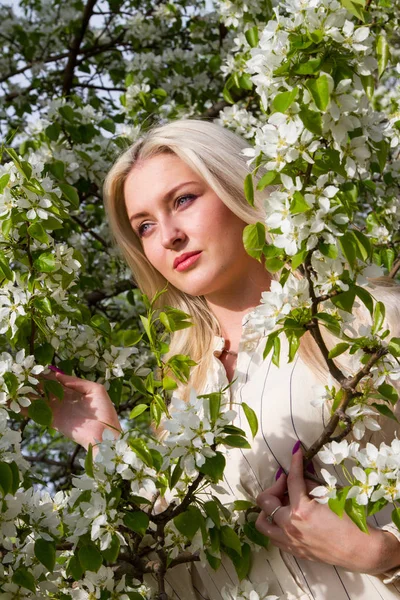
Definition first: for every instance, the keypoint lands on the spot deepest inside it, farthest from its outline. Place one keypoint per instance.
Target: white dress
(281, 399)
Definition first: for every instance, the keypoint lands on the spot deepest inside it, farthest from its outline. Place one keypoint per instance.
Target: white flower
(334, 453)
(323, 494)
(363, 491)
(274, 305)
(361, 416)
(247, 591)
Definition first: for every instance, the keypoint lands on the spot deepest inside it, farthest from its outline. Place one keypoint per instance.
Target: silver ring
(270, 518)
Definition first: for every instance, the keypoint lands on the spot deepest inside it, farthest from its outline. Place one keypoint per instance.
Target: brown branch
(395, 268)
(75, 47)
(89, 230)
(43, 459)
(213, 111)
(121, 286)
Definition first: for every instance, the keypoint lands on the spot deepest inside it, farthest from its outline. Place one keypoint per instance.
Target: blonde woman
(176, 206)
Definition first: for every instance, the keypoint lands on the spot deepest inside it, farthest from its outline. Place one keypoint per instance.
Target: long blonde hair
(216, 155)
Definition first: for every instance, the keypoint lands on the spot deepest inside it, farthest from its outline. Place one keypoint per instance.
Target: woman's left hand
(312, 531)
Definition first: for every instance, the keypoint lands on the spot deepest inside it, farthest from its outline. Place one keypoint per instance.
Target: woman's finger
(296, 484)
(278, 490)
(271, 530)
(83, 386)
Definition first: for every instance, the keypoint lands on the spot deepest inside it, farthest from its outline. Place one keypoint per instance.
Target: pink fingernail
(296, 447)
(279, 473)
(55, 369)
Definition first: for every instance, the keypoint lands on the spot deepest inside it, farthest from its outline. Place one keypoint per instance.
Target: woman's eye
(186, 197)
(181, 201)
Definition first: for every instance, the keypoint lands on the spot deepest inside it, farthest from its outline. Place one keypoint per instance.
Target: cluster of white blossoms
(247, 591)
(191, 432)
(373, 472)
(280, 300)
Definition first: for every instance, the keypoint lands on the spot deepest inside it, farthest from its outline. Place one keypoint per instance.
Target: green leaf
(311, 120)
(45, 552)
(57, 168)
(378, 317)
(251, 418)
(384, 410)
(298, 204)
(242, 505)
(15, 475)
(46, 263)
(101, 324)
(4, 266)
(139, 446)
(357, 514)
(252, 36)
(337, 504)
(396, 517)
(40, 412)
(111, 553)
(394, 346)
(169, 384)
(11, 382)
(267, 179)
(25, 579)
(213, 561)
(365, 298)
(355, 7)
(249, 189)
(108, 124)
(176, 475)
(90, 557)
(211, 509)
(363, 245)
(348, 247)
(215, 407)
(137, 521)
(214, 467)
(319, 90)
(230, 539)
(37, 231)
(53, 131)
(254, 239)
(242, 563)
(74, 568)
(4, 179)
(54, 387)
(138, 410)
(308, 67)
(6, 478)
(89, 462)
(388, 392)
(44, 354)
(338, 349)
(138, 383)
(70, 193)
(255, 536)
(236, 441)
(298, 258)
(282, 101)
(330, 322)
(382, 53)
(189, 522)
(345, 300)
(277, 351)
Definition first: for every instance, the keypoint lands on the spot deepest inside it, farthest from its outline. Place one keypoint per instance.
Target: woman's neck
(230, 306)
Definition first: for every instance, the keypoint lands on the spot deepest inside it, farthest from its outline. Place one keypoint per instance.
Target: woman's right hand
(85, 411)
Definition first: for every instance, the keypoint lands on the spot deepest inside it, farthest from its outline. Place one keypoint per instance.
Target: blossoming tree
(312, 86)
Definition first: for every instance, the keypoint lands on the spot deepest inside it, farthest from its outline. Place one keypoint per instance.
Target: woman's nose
(171, 235)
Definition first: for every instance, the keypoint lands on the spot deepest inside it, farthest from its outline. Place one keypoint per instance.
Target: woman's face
(175, 213)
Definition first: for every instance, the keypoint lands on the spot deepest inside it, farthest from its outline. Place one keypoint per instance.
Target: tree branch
(395, 268)
(75, 47)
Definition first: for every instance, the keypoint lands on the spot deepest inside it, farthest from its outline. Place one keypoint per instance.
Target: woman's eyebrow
(167, 196)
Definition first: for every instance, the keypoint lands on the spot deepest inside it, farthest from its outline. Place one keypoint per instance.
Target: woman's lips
(185, 264)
